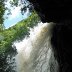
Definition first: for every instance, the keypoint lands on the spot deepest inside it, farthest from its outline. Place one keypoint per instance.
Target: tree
(2, 11)
(23, 3)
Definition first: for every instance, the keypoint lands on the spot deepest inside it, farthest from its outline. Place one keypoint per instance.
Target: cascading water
(35, 53)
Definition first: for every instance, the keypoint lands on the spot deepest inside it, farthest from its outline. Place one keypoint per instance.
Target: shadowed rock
(53, 10)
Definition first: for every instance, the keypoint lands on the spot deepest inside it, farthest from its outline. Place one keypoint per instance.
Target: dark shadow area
(53, 10)
(62, 44)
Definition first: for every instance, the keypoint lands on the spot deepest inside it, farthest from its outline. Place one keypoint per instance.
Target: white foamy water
(35, 53)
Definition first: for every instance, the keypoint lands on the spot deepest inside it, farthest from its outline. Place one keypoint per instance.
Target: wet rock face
(58, 11)
(53, 10)
(61, 42)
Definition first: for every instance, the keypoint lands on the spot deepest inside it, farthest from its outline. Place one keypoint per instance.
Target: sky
(15, 16)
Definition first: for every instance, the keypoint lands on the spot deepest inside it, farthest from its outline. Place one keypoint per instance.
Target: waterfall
(35, 53)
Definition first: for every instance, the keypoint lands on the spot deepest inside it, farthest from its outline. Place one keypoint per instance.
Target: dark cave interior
(53, 10)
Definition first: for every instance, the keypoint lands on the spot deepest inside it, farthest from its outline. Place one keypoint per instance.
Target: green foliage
(8, 36)
(2, 11)
(18, 32)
